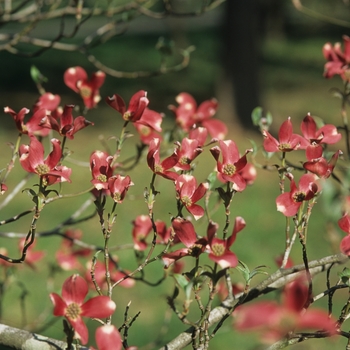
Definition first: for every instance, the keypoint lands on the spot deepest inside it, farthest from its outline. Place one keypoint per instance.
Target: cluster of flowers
(312, 142)
(195, 121)
(232, 168)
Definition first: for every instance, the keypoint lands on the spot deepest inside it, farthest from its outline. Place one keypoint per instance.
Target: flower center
(117, 197)
(186, 201)
(42, 169)
(284, 146)
(73, 311)
(184, 160)
(127, 115)
(229, 169)
(102, 178)
(145, 131)
(218, 249)
(299, 196)
(195, 250)
(85, 91)
(158, 168)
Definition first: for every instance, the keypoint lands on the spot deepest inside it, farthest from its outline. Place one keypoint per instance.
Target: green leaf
(211, 179)
(36, 75)
(345, 276)
(181, 280)
(243, 268)
(257, 115)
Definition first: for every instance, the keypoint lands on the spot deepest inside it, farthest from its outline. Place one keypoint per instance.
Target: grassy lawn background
(292, 85)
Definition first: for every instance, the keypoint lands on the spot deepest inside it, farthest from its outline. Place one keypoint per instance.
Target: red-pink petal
(59, 305)
(73, 75)
(184, 231)
(216, 128)
(108, 338)
(74, 290)
(344, 223)
(80, 329)
(117, 103)
(286, 205)
(98, 307)
(345, 245)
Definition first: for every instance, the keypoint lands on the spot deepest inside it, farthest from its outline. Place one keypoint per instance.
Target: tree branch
(17, 339)
(277, 280)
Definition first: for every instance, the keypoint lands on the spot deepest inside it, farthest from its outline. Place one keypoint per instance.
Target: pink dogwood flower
(149, 126)
(188, 115)
(219, 249)
(118, 186)
(231, 165)
(275, 320)
(68, 125)
(188, 193)
(287, 141)
(32, 161)
(321, 167)
(185, 233)
(344, 224)
(136, 108)
(72, 306)
(188, 150)
(35, 124)
(327, 134)
(158, 167)
(76, 79)
(338, 59)
(288, 203)
(100, 165)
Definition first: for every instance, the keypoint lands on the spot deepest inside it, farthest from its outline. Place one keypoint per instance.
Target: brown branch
(325, 18)
(16, 339)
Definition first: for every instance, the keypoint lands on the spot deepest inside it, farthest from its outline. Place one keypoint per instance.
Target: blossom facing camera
(76, 79)
(32, 161)
(231, 166)
(287, 141)
(288, 203)
(101, 169)
(71, 305)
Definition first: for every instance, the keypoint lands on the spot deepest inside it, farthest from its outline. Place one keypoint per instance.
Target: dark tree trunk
(242, 55)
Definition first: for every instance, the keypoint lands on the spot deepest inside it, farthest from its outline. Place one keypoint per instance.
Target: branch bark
(17, 339)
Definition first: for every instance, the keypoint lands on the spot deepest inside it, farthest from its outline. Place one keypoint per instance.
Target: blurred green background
(290, 84)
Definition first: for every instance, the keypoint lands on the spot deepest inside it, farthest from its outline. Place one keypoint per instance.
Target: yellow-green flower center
(85, 92)
(42, 169)
(284, 146)
(117, 196)
(218, 249)
(186, 201)
(158, 168)
(73, 311)
(229, 169)
(127, 115)
(102, 178)
(184, 160)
